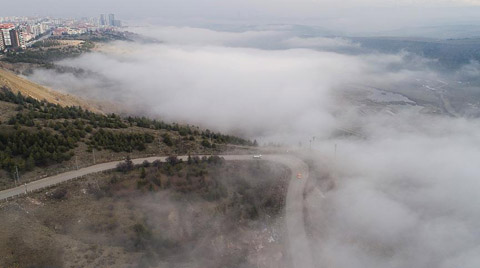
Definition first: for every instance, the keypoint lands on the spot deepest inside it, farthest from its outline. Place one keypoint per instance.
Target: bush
(167, 140)
(142, 235)
(125, 166)
(59, 193)
(215, 159)
(206, 144)
(173, 160)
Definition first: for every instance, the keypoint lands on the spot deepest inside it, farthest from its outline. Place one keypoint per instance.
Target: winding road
(299, 248)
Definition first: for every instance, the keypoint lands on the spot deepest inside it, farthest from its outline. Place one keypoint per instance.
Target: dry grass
(7, 111)
(28, 88)
(71, 43)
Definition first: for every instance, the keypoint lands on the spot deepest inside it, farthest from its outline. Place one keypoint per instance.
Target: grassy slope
(28, 88)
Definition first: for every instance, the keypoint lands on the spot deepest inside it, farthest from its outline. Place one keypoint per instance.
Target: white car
(257, 156)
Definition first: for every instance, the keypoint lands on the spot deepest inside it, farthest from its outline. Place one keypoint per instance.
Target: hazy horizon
(347, 17)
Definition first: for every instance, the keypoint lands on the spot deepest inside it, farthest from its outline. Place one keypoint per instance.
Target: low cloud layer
(320, 42)
(406, 197)
(406, 185)
(222, 81)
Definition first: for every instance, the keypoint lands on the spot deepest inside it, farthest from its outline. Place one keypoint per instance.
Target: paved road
(299, 248)
(47, 35)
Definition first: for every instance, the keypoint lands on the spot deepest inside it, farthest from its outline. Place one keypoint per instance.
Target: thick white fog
(406, 191)
(219, 80)
(405, 197)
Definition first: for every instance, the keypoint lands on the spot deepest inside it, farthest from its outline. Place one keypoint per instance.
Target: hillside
(27, 88)
(200, 213)
(40, 138)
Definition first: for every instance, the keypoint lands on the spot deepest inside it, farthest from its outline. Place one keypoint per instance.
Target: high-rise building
(43, 27)
(103, 20)
(5, 30)
(2, 44)
(111, 19)
(22, 38)
(14, 39)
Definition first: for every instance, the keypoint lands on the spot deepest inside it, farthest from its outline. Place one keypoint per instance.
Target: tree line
(42, 133)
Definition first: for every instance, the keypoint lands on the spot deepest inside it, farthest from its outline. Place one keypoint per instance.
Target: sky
(346, 15)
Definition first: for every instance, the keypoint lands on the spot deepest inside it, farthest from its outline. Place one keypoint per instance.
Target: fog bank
(221, 80)
(406, 180)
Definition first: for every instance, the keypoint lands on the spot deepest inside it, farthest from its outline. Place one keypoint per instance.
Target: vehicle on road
(299, 175)
(257, 156)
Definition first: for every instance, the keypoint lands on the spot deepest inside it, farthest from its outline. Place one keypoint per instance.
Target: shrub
(173, 160)
(59, 193)
(125, 166)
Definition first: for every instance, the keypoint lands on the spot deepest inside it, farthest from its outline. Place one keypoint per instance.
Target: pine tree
(30, 163)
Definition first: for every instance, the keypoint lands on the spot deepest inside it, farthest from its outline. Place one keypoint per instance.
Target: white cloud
(405, 197)
(320, 42)
(199, 36)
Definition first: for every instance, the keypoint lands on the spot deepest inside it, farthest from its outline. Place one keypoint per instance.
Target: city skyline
(351, 16)
(21, 32)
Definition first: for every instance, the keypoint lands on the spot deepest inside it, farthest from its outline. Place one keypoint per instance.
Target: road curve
(299, 248)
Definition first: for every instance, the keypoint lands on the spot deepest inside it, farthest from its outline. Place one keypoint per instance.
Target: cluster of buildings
(21, 32)
(17, 35)
(17, 32)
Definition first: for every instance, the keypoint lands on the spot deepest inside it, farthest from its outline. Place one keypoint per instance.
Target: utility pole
(18, 177)
(335, 157)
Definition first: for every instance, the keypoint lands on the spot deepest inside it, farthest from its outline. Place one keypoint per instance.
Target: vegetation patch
(203, 212)
(119, 142)
(24, 149)
(40, 134)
